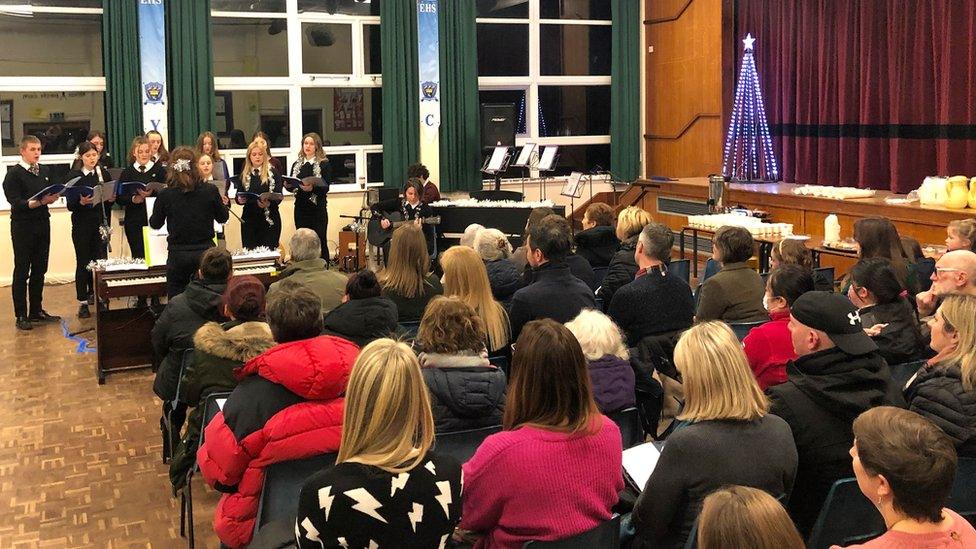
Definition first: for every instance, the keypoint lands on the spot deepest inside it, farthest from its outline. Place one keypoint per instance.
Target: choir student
(260, 221)
(262, 138)
(97, 138)
(159, 153)
(311, 209)
(207, 145)
(142, 168)
(87, 219)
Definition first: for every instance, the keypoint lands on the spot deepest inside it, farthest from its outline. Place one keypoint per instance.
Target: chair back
(283, 483)
(186, 358)
(501, 362)
(963, 497)
(901, 373)
(741, 329)
(631, 431)
(681, 268)
(210, 409)
(846, 518)
(923, 269)
(408, 329)
(599, 273)
(604, 536)
(712, 267)
(461, 445)
(826, 272)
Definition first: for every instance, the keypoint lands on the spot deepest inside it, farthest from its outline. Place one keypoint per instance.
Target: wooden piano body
(507, 219)
(123, 335)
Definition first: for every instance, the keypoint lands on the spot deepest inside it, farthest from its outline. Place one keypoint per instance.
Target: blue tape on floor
(82, 342)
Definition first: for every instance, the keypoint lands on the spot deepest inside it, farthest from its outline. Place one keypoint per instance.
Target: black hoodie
(825, 392)
(597, 245)
(362, 320)
(901, 340)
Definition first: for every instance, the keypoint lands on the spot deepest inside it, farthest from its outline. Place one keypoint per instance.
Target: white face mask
(766, 302)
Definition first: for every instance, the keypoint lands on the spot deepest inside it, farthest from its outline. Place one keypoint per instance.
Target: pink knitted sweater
(533, 484)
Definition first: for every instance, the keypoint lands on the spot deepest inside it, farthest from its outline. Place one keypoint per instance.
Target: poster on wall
(348, 111)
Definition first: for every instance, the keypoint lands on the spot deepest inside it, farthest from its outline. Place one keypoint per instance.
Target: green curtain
(401, 116)
(120, 52)
(189, 70)
(460, 136)
(625, 90)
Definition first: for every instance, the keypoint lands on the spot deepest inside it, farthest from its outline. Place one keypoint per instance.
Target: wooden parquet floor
(80, 464)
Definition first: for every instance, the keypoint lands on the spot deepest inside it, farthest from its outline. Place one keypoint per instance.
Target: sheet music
(548, 159)
(574, 185)
(497, 159)
(639, 462)
(525, 155)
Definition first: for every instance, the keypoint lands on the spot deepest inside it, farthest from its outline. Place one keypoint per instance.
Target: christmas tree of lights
(748, 147)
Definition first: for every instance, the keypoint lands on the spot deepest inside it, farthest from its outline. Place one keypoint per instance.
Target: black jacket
(91, 215)
(312, 204)
(189, 216)
(901, 340)
(362, 320)
(825, 392)
(466, 392)
(622, 269)
(503, 276)
(652, 304)
(173, 332)
(938, 394)
(136, 214)
(580, 268)
(597, 245)
(252, 213)
(555, 294)
(19, 185)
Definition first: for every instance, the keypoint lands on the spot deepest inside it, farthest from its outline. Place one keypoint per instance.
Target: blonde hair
(387, 422)
(717, 380)
(739, 516)
(598, 335)
(466, 277)
(265, 169)
(630, 221)
(408, 264)
(492, 244)
(965, 228)
(959, 313)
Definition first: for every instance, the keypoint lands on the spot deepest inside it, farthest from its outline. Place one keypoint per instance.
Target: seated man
(308, 268)
(656, 301)
(554, 293)
(838, 375)
(955, 273)
(597, 242)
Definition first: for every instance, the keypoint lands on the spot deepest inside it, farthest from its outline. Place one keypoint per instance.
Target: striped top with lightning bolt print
(361, 506)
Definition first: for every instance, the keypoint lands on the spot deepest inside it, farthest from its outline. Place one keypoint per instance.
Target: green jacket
(313, 274)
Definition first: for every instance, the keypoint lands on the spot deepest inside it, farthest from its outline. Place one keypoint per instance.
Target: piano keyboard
(161, 279)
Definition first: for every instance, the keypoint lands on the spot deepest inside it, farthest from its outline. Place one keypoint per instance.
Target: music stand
(496, 163)
(546, 163)
(573, 189)
(526, 157)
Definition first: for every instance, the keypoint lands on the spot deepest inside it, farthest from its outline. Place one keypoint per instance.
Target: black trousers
(133, 233)
(256, 232)
(32, 243)
(181, 265)
(88, 247)
(320, 225)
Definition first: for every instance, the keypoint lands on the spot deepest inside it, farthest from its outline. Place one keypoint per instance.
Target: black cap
(836, 316)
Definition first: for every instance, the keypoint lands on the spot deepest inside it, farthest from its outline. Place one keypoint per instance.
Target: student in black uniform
(30, 231)
(142, 168)
(97, 138)
(262, 138)
(87, 219)
(189, 207)
(260, 221)
(409, 206)
(207, 145)
(311, 210)
(159, 153)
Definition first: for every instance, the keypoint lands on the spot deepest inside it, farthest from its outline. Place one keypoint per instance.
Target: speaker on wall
(497, 125)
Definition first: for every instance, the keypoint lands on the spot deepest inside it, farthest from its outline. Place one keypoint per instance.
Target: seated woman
(407, 280)
(466, 391)
(503, 274)
(623, 267)
(364, 314)
(905, 466)
(944, 390)
(731, 438)
(597, 242)
(465, 276)
(878, 237)
(555, 471)
(793, 251)
(608, 360)
(385, 458)
(470, 234)
(739, 516)
(769, 347)
(886, 314)
(735, 293)
(219, 349)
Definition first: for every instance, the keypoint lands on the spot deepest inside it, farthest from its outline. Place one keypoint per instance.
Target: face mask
(766, 303)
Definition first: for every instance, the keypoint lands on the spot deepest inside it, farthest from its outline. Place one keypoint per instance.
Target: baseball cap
(836, 316)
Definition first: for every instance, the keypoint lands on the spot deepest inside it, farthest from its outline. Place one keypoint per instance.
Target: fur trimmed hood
(240, 343)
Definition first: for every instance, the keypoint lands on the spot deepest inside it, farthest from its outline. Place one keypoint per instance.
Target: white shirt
(148, 166)
(25, 165)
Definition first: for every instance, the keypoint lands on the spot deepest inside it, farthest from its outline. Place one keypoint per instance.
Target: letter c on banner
(429, 120)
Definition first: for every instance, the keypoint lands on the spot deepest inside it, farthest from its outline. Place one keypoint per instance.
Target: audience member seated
(466, 391)
(555, 471)
(657, 301)
(200, 303)
(407, 280)
(768, 347)
(219, 349)
(608, 361)
(385, 458)
(961, 235)
(364, 314)
(735, 293)
(729, 437)
(288, 405)
(465, 276)
(503, 274)
(308, 268)
(597, 242)
(623, 267)
(955, 273)
(470, 234)
(838, 375)
(886, 314)
(555, 292)
(905, 465)
(878, 237)
(739, 516)
(944, 390)
(520, 255)
(793, 251)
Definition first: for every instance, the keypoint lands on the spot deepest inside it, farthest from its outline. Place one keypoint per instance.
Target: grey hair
(305, 245)
(470, 233)
(492, 244)
(657, 240)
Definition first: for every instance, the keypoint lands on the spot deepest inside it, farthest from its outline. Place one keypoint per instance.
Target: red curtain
(866, 93)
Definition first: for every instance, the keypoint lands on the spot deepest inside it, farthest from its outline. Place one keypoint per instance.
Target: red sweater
(769, 347)
(533, 484)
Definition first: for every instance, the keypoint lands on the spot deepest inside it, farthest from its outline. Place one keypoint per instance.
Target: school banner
(428, 57)
(152, 53)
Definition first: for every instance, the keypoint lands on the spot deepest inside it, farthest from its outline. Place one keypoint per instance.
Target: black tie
(142, 169)
(256, 173)
(35, 169)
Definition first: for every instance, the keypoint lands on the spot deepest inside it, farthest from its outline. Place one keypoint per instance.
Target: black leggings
(89, 246)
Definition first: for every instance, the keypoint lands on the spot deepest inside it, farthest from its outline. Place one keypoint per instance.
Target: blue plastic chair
(923, 269)
(501, 362)
(408, 330)
(171, 430)
(461, 445)
(901, 373)
(963, 497)
(681, 268)
(846, 518)
(283, 483)
(826, 272)
(741, 329)
(712, 267)
(604, 536)
(210, 409)
(631, 431)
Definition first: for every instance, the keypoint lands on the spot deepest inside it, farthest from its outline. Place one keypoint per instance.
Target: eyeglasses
(940, 270)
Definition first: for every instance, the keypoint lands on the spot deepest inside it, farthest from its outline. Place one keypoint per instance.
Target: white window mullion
(358, 50)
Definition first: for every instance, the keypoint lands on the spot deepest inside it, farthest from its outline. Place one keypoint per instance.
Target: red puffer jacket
(287, 406)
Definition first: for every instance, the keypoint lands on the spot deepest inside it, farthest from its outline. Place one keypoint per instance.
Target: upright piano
(504, 216)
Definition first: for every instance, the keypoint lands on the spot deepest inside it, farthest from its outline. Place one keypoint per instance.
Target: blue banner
(428, 56)
(152, 59)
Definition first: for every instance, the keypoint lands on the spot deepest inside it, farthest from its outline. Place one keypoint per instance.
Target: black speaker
(497, 125)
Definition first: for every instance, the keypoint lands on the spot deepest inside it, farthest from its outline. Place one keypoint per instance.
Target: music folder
(254, 197)
(574, 185)
(525, 156)
(548, 160)
(57, 189)
(639, 462)
(130, 187)
(221, 186)
(99, 193)
(497, 161)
